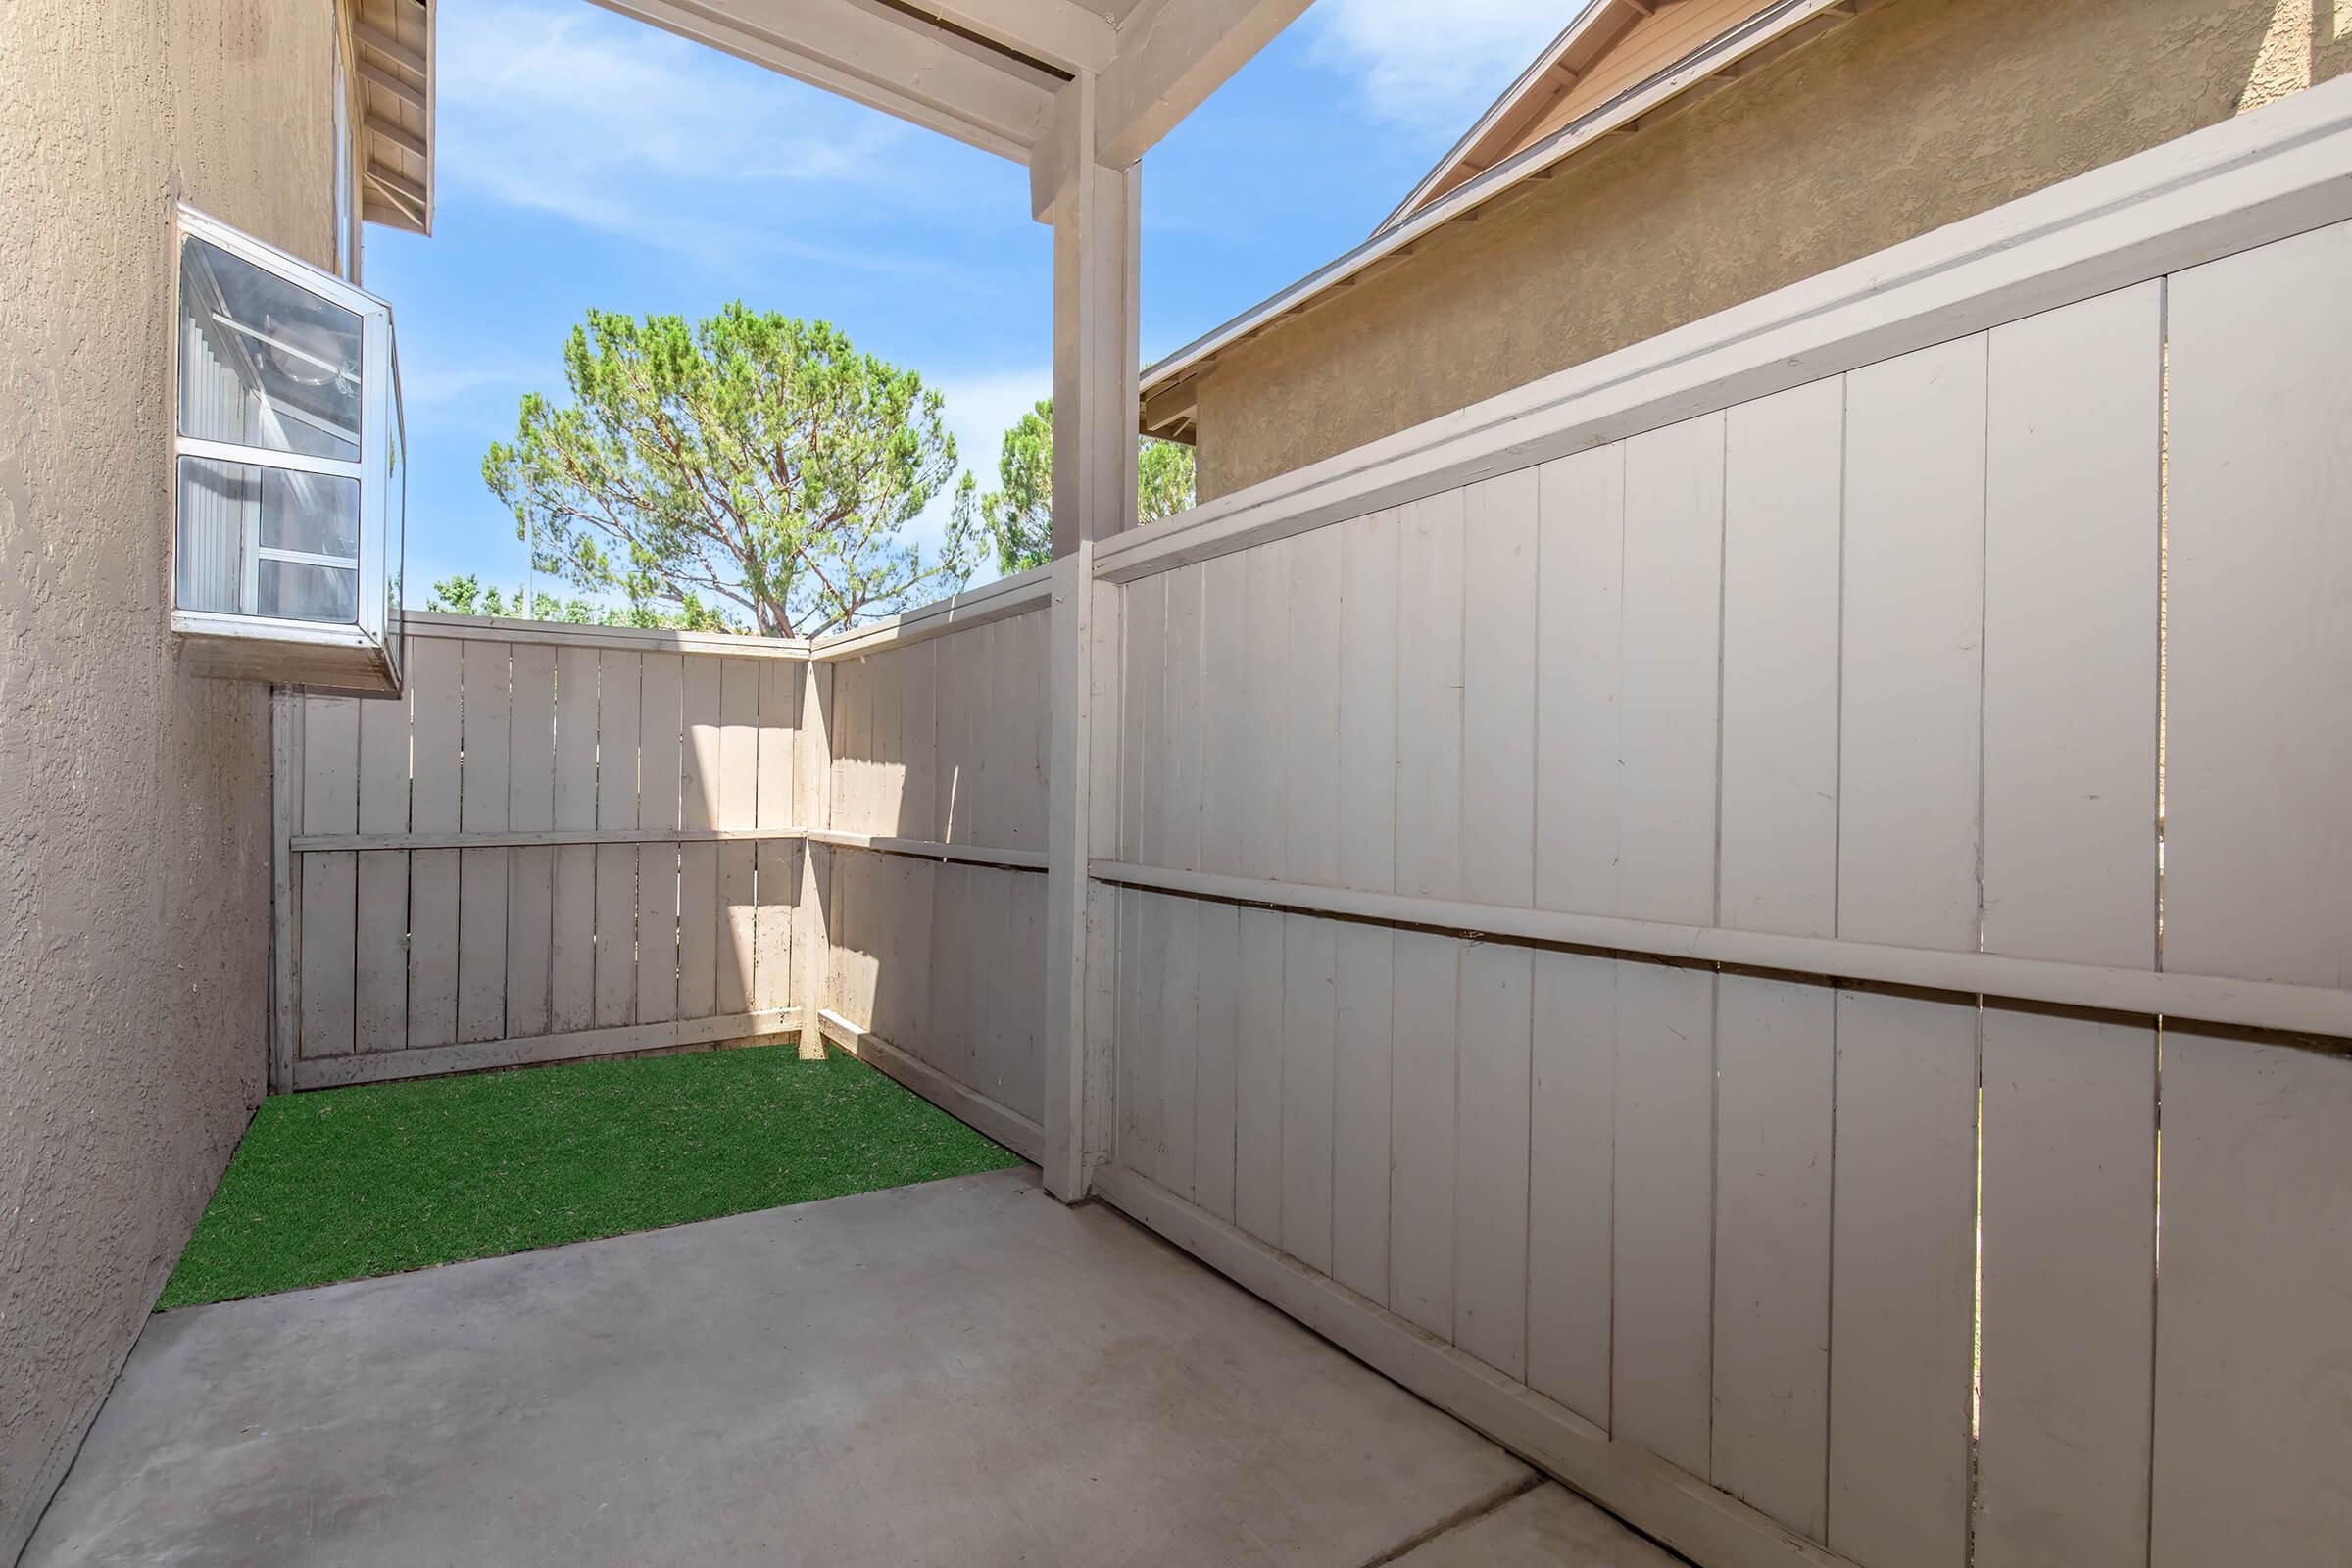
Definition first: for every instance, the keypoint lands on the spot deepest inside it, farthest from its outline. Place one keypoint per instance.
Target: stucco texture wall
(134, 797)
(1916, 115)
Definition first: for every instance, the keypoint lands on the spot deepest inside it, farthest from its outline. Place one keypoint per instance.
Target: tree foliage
(1018, 517)
(468, 595)
(747, 465)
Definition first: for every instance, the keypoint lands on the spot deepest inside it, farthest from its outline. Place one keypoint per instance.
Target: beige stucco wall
(134, 798)
(1918, 114)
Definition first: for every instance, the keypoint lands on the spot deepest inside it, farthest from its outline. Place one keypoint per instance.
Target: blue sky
(585, 158)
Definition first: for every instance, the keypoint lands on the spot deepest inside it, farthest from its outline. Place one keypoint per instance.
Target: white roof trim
(1550, 56)
(1622, 113)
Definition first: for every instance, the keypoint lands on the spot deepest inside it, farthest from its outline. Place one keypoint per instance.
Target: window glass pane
(229, 513)
(262, 362)
(296, 591)
(313, 512)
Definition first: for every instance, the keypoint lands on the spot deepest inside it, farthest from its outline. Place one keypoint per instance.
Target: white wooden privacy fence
(566, 842)
(1667, 910)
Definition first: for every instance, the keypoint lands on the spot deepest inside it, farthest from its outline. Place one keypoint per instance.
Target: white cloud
(606, 121)
(430, 384)
(979, 409)
(1429, 70)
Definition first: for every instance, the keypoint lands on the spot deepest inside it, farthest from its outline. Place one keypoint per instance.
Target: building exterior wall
(1917, 114)
(134, 798)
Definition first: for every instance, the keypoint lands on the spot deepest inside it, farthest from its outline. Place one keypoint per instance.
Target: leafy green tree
(1018, 517)
(747, 465)
(467, 595)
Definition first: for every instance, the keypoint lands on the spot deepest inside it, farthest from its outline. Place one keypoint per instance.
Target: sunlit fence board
(2258, 873)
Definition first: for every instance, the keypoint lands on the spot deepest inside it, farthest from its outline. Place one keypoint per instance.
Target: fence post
(1083, 631)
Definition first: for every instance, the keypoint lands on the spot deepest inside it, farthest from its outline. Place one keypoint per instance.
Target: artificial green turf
(343, 1184)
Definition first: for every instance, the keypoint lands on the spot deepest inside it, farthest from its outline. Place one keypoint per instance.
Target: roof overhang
(990, 73)
(1169, 401)
(393, 44)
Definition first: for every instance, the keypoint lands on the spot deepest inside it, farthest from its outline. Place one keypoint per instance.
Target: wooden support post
(1083, 626)
(1096, 336)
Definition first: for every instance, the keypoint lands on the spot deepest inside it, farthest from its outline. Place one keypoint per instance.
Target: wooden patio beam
(883, 57)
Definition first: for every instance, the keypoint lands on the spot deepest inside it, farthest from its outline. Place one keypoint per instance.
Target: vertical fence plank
(1361, 1109)
(908, 978)
(1579, 595)
(1667, 714)
(1429, 698)
(1258, 1077)
(1028, 724)
(962, 688)
(2259, 646)
(1784, 461)
(436, 675)
(1368, 655)
(1179, 1042)
(1309, 1024)
(571, 981)
(975, 794)
(918, 742)
(660, 729)
(531, 809)
(851, 763)
(1135, 1051)
(1225, 728)
(950, 1045)
(1571, 1180)
(1661, 1363)
(2253, 1392)
(1027, 1090)
(1310, 843)
(1421, 1141)
(1216, 1059)
(482, 873)
(778, 867)
(1776, 1064)
(885, 769)
(739, 808)
(996, 986)
(1913, 654)
(1181, 764)
(1260, 695)
(2069, 1289)
(697, 863)
(1140, 1036)
(2070, 543)
(1490, 1154)
(1144, 689)
(2069, 825)
(380, 991)
(1500, 534)
(330, 804)
(619, 694)
(1903, 1239)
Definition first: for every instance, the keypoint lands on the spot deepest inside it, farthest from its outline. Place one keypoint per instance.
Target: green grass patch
(344, 1184)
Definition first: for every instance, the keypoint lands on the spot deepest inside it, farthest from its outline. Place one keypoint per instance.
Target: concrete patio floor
(964, 1372)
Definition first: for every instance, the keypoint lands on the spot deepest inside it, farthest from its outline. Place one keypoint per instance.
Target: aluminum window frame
(376, 626)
